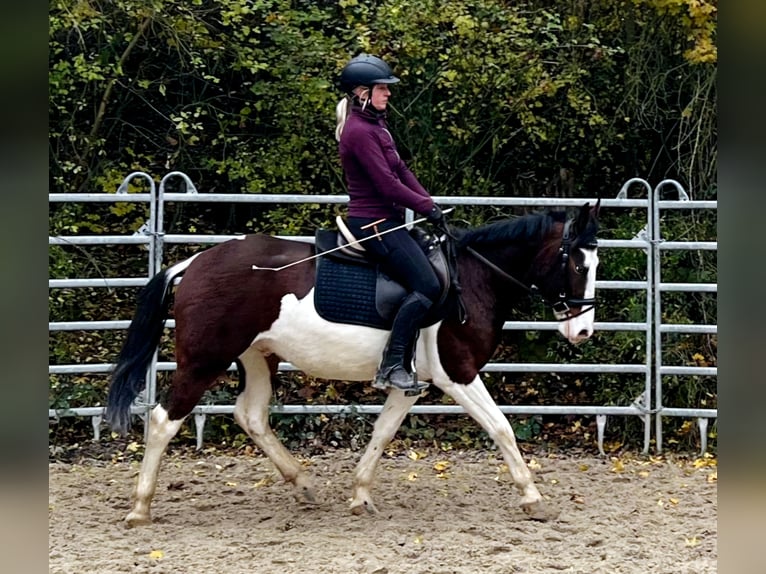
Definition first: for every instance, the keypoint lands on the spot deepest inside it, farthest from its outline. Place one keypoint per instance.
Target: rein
(562, 306)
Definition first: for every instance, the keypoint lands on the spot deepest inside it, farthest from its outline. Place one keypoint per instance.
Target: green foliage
(495, 98)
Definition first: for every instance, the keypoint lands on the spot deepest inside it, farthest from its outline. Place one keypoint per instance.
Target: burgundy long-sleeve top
(380, 185)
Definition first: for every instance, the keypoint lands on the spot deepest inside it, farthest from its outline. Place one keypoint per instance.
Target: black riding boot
(392, 371)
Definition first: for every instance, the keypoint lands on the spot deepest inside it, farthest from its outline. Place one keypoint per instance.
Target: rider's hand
(435, 215)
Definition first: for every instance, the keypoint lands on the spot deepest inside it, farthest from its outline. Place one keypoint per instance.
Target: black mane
(530, 228)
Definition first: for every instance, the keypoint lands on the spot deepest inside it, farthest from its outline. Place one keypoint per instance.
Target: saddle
(351, 288)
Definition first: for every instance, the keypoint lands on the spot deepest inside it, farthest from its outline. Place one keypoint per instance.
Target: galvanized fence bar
(641, 238)
(658, 246)
(155, 237)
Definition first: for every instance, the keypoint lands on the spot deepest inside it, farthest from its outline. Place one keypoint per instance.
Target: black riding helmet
(365, 70)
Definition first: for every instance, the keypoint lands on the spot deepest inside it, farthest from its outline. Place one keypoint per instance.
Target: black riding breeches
(399, 255)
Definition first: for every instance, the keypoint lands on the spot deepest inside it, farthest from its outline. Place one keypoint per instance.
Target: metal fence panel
(648, 239)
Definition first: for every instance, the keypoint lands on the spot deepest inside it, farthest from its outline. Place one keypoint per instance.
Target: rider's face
(380, 95)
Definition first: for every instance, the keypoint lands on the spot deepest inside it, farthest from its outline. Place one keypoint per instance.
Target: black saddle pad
(345, 293)
(351, 289)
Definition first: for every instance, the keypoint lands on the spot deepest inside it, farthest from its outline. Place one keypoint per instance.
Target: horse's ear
(596, 209)
(586, 214)
(583, 218)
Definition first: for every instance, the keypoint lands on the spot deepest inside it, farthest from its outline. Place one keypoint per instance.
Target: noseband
(562, 306)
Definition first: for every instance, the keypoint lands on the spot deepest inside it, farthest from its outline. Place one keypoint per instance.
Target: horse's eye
(579, 269)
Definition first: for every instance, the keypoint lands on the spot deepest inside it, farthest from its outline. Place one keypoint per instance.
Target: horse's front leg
(395, 408)
(478, 403)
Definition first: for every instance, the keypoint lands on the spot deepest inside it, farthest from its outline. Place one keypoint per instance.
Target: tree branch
(108, 92)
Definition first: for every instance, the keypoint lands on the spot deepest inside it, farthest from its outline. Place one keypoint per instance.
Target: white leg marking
(396, 407)
(252, 413)
(161, 431)
(478, 403)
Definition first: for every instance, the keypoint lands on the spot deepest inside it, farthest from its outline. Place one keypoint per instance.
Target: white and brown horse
(226, 311)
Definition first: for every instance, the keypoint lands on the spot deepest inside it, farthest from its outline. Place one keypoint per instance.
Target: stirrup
(407, 383)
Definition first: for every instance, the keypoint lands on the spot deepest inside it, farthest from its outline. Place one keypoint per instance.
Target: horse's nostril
(584, 334)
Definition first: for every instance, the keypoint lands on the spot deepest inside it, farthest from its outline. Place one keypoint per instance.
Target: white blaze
(581, 327)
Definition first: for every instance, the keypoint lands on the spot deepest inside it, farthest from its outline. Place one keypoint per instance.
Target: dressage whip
(355, 242)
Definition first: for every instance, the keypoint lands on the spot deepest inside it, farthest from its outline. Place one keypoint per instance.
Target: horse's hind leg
(396, 407)
(187, 388)
(161, 431)
(252, 413)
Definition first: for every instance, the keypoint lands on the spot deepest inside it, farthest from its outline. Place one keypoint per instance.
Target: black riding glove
(435, 216)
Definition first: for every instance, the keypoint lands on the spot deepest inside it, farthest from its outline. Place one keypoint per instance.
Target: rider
(380, 187)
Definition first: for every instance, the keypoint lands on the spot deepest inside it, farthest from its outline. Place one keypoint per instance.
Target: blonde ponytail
(341, 113)
(342, 109)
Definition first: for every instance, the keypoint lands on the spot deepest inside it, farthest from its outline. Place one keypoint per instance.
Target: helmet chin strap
(363, 94)
(366, 90)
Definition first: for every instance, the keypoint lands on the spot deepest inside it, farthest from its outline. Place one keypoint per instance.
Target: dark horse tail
(128, 378)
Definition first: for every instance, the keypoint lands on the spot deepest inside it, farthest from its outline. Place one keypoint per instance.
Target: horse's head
(568, 283)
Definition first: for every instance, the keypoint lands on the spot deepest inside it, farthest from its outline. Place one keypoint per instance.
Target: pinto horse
(251, 301)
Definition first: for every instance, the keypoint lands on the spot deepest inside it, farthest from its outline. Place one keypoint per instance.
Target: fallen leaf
(712, 477)
(231, 484)
(156, 554)
(441, 465)
(612, 446)
(534, 465)
(706, 460)
(584, 467)
(266, 481)
(673, 500)
(687, 426)
(617, 465)
(412, 476)
(414, 455)
(132, 447)
(691, 542)
(643, 473)
(418, 539)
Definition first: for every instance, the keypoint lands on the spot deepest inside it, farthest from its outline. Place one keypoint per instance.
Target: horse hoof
(134, 519)
(540, 512)
(306, 495)
(360, 507)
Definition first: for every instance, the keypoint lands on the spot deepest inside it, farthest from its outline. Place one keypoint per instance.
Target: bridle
(562, 306)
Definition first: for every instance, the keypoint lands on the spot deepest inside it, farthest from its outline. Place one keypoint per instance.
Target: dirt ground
(440, 513)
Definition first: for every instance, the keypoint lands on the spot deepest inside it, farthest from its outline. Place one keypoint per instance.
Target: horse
(251, 301)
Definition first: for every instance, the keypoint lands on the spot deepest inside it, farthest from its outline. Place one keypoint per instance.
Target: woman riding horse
(380, 187)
